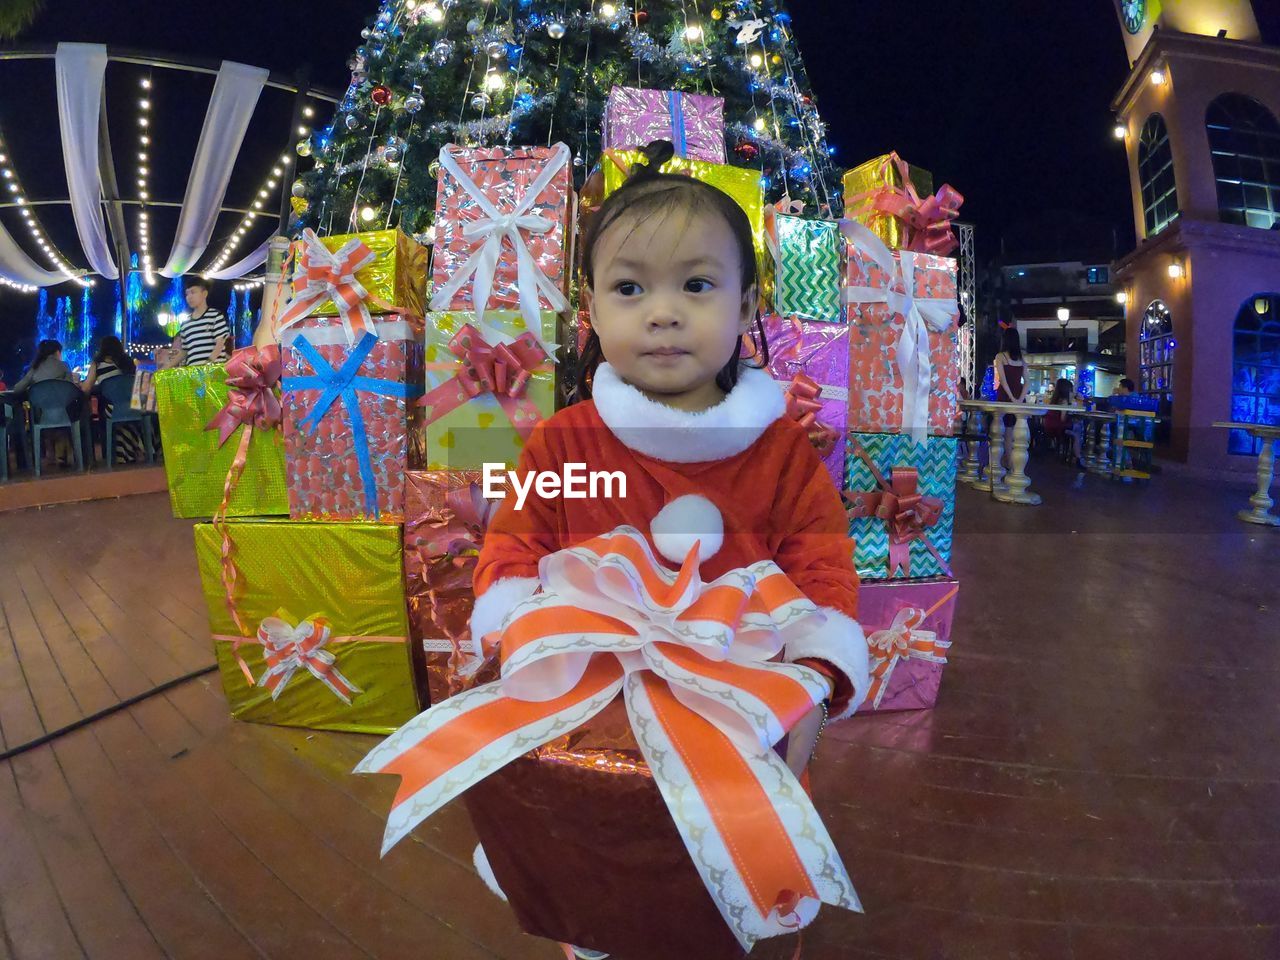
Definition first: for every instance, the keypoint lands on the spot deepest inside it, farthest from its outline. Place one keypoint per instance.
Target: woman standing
(1011, 380)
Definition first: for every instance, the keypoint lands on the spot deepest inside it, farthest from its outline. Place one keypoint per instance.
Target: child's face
(668, 305)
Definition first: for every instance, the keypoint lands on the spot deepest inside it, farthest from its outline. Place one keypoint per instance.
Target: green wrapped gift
(808, 260)
(198, 460)
(309, 626)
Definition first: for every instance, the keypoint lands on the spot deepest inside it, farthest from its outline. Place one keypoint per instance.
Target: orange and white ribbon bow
(288, 648)
(331, 275)
(695, 665)
(902, 640)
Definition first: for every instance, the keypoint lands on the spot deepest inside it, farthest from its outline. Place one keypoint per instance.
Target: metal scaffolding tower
(968, 293)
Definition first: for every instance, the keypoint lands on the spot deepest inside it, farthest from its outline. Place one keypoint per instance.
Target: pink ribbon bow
(927, 220)
(252, 377)
(503, 370)
(803, 406)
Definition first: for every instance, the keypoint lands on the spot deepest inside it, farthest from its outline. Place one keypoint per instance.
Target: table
(1098, 432)
(1261, 499)
(1015, 487)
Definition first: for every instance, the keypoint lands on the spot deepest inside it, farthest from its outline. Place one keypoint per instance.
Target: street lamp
(1064, 318)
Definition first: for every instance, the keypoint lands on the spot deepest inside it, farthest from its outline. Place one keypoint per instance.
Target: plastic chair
(49, 401)
(118, 392)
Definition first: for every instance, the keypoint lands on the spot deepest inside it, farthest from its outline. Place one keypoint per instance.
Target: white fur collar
(677, 436)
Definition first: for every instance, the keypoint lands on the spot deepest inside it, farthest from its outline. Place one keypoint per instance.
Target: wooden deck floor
(1099, 780)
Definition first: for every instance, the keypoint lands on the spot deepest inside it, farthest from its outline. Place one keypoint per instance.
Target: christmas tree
(529, 72)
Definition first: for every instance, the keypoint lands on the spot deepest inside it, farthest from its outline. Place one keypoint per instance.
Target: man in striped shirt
(205, 336)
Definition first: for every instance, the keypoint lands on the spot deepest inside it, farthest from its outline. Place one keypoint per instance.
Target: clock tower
(1200, 118)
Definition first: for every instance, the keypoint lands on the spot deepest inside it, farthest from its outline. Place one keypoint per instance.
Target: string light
(38, 235)
(251, 284)
(144, 192)
(246, 224)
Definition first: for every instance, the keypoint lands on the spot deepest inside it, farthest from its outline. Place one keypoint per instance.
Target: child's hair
(646, 192)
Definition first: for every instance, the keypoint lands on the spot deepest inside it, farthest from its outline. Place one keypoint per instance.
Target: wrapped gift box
(349, 413)
(901, 499)
(885, 342)
(526, 267)
(488, 385)
(445, 518)
(197, 463)
(394, 278)
(741, 184)
(864, 181)
(812, 359)
(288, 574)
(808, 260)
(693, 122)
(908, 629)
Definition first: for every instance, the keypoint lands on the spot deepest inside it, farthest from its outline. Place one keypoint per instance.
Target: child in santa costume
(619, 847)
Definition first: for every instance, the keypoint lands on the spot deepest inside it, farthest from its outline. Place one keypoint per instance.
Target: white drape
(238, 270)
(81, 71)
(235, 95)
(18, 267)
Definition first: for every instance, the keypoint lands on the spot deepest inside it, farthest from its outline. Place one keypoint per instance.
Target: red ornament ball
(641, 17)
(381, 95)
(746, 150)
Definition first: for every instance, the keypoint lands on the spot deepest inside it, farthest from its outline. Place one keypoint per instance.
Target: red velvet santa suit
(589, 855)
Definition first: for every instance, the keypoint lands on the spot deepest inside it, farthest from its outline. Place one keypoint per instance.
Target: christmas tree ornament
(474, 26)
(366, 33)
(441, 51)
(746, 150)
(579, 162)
(394, 149)
(496, 49)
(641, 17)
(555, 30)
(299, 189)
(414, 101)
(351, 121)
(716, 13)
(381, 95)
(480, 100)
(368, 214)
(299, 206)
(433, 169)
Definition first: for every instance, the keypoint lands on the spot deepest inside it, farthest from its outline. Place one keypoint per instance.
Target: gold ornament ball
(715, 13)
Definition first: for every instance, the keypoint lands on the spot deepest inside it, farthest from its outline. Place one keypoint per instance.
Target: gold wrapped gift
(866, 178)
(395, 280)
(196, 464)
(318, 635)
(467, 425)
(738, 182)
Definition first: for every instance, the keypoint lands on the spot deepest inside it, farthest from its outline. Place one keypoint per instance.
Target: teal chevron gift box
(901, 500)
(807, 266)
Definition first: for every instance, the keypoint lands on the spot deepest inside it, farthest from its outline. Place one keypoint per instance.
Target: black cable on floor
(92, 718)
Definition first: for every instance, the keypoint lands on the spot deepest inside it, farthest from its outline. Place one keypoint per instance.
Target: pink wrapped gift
(812, 359)
(347, 417)
(904, 347)
(502, 225)
(693, 122)
(908, 628)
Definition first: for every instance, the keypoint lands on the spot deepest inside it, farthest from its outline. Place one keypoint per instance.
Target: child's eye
(698, 285)
(627, 288)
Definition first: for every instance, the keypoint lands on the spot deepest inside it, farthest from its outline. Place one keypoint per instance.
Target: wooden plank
(184, 919)
(19, 718)
(35, 921)
(105, 920)
(49, 689)
(269, 914)
(440, 888)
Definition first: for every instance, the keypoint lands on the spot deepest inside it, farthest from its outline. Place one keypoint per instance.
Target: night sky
(1008, 101)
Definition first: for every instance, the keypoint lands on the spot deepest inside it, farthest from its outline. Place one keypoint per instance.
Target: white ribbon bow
(921, 316)
(895, 643)
(331, 275)
(288, 648)
(494, 227)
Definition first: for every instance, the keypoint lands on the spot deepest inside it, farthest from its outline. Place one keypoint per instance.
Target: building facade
(1199, 115)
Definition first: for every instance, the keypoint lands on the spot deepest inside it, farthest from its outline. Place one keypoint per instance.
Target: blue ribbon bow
(345, 384)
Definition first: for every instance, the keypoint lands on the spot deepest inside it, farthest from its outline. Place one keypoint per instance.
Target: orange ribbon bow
(803, 406)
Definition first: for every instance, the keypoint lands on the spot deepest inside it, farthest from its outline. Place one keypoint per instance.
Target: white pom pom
(684, 520)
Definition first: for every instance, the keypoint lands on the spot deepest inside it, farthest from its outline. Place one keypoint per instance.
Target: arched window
(1156, 357)
(1155, 172)
(1255, 384)
(1244, 139)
